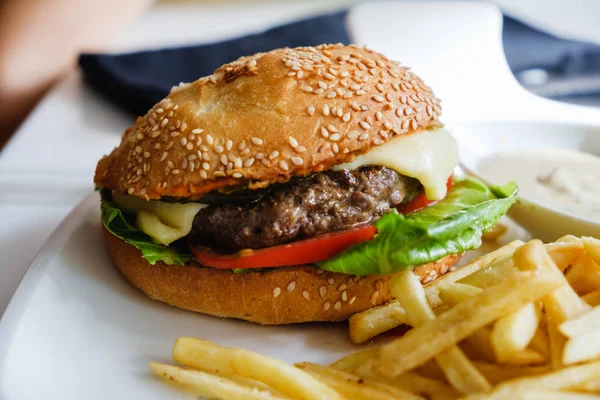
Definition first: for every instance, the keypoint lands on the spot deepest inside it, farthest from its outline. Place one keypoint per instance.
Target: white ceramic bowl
(477, 140)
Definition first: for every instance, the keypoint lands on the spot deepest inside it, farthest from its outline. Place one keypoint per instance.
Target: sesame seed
(203, 174)
(388, 97)
(237, 175)
(297, 160)
(327, 306)
(276, 291)
(209, 140)
(365, 107)
(378, 99)
(340, 112)
(353, 135)
(337, 305)
(346, 117)
(429, 110)
(206, 157)
(378, 142)
(256, 141)
(387, 125)
(331, 128)
(364, 136)
(326, 110)
(249, 162)
(378, 115)
(130, 190)
(293, 141)
(322, 291)
(330, 281)
(413, 124)
(310, 110)
(374, 296)
(291, 286)
(335, 148)
(360, 92)
(335, 137)
(273, 155)
(306, 295)
(322, 85)
(260, 156)
(223, 159)
(300, 74)
(307, 89)
(237, 163)
(283, 165)
(344, 295)
(219, 149)
(331, 95)
(404, 124)
(205, 166)
(175, 171)
(300, 149)
(342, 287)
(164, 122)
(228, 144)
(365, 125)
(324, 132)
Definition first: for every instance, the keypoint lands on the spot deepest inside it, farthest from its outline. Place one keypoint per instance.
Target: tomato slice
(421, 201)
(305, 251)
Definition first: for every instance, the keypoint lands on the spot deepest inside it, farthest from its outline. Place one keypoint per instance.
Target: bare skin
(40, 41)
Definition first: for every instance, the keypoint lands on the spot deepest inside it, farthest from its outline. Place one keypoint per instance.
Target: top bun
(266, 118)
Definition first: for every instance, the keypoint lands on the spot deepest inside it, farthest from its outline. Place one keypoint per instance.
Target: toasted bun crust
(266, 118)
(279, 296)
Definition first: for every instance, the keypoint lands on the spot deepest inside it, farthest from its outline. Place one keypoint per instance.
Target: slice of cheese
(429, 156)
(164, 222)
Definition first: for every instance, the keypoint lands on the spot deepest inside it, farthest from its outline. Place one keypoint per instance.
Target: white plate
(480, 139)
(75, 329)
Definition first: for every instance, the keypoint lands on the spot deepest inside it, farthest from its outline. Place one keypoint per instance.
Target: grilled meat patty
(320, 203)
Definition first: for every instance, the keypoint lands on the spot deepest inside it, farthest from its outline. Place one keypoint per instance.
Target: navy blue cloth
(137, 81)
(527, 48)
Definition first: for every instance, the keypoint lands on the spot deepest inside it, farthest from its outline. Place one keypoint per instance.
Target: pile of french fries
(522, 322)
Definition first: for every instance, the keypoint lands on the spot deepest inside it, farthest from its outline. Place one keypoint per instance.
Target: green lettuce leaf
(123, 226)
(451, 226)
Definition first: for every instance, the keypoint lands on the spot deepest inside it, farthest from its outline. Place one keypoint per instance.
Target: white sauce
(565, 180)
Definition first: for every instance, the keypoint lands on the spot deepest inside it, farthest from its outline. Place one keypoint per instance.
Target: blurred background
(552, 46)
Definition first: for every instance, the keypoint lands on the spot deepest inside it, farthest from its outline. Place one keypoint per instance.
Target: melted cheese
(429, 156)
(164, 222)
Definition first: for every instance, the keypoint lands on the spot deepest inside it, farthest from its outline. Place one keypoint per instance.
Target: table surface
(48, 165)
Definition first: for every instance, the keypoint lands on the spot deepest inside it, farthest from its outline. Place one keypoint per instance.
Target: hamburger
(289, 186)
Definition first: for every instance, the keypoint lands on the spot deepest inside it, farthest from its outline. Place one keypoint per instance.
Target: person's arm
(40, 40)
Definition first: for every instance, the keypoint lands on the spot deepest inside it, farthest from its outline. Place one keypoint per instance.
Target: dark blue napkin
(137, 81)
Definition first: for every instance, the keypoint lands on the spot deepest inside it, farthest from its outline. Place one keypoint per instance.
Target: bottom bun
(278, 296)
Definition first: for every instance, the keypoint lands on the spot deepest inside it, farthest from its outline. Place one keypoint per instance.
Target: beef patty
(320, 203)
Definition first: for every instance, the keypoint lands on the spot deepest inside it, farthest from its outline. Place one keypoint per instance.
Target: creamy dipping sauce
(565, 180)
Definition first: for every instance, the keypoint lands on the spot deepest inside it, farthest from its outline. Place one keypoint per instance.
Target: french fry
(585, 323)
(372, 322)
(499, 373)
(593, 298)
(556, 380)
(494, 233)
(432, 370)
(455, 293)
(563, 255)
(354, 360)
(581, 348)
(414, 383)
(210, 385)
(584, 275)
(288, 380)
(459, 371)
(568, 239)
(525, 357)
(592, 247)
(463, 320)
(592, 386)
(355, 387)
(540, 342)
(560, 305)
(547, 395)
(511, 334)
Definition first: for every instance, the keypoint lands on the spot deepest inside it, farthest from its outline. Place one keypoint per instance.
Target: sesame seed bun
(275, 297)
(266, 118)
